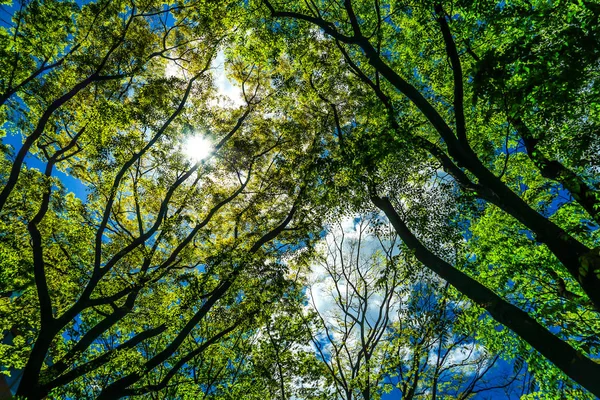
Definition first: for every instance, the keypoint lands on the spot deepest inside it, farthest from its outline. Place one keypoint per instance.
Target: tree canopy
(401, 198)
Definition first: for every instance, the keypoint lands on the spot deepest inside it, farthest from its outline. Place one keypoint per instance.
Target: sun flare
(197, 148)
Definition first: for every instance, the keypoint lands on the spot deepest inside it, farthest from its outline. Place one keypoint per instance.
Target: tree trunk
(573, 363)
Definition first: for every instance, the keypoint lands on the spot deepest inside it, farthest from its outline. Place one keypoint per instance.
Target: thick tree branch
(328, 27)
(101, 360)
(573, 363)
(459, 112)
(583, 194)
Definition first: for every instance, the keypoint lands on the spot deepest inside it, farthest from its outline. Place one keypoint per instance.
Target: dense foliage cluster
(401, 199)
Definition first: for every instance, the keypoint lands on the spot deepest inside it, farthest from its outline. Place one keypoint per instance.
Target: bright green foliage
(468, 124)
(121, 292)
(486, 93)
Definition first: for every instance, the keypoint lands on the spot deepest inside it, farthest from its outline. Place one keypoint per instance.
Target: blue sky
(31, 161)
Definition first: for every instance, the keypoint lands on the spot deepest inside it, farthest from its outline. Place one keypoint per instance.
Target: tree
(441, 115)
(282, 361)
(419, 62)
(385, 324)
(355, 299)
(119, 293)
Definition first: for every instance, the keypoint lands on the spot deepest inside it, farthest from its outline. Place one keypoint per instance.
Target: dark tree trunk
(573, 363)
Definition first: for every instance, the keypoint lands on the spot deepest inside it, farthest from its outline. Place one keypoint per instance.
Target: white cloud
(348, 260)
(174, 70)
(228, 93)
